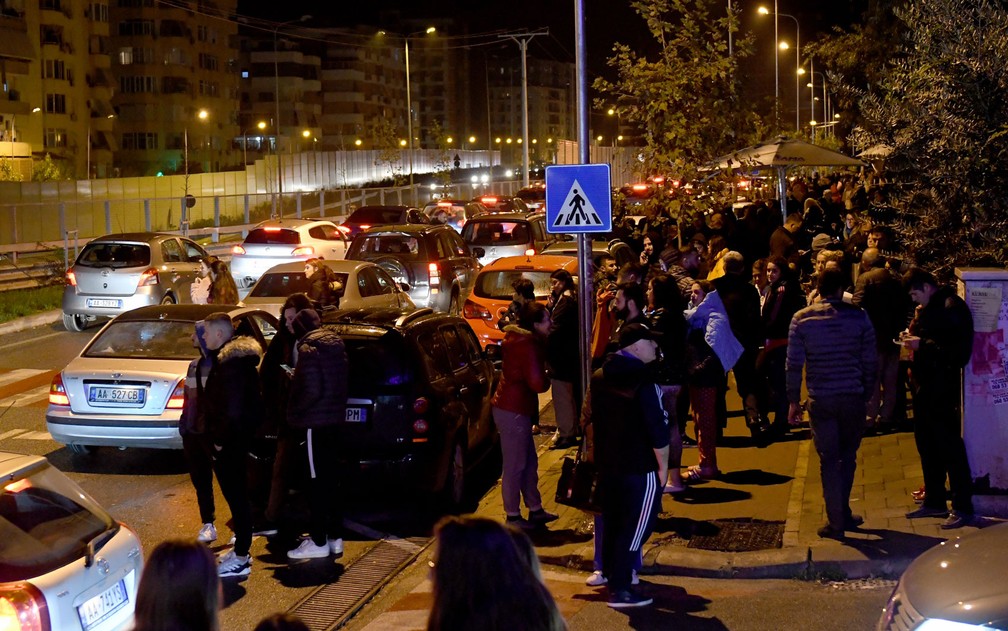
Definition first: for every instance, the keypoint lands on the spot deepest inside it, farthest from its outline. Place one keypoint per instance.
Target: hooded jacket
(523, 372)
(628, 421)
(229, 404)
(318, 391)
(945, 328)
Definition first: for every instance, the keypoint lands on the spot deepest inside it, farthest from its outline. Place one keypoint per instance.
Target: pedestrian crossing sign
(578, 198)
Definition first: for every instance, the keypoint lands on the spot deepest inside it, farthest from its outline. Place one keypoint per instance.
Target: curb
(30, 322)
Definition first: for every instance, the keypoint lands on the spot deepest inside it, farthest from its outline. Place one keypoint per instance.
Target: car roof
(12, 464)
(532, 214)
(139, 237)
(598, 247)
(410, 228)
(291, 223)
(383, 318)
(336, 265)
(536, 262)
(181, 312)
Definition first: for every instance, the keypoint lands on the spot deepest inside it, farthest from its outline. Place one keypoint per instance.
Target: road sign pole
(586, 292)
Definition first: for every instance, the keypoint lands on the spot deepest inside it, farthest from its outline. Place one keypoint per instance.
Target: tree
(942, 105)
(45, 170)
(383, 138)
(684, 100)
(9, 171)
(443, 164)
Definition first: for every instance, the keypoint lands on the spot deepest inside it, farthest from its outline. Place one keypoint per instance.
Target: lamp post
(765, 11)
(811, 86)
(276, 99)
(409, 105)
(782, 46)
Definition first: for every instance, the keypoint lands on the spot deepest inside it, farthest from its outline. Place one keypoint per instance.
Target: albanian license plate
(96, 610)
(117, 395)
(108, 303)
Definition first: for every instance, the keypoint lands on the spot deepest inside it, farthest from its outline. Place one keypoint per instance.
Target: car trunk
(92, 389)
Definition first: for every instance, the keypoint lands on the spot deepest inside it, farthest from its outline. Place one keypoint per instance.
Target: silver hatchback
(119, 272)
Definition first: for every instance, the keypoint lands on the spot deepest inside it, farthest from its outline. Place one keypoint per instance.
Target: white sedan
(65, 563)
(283, 241)
(363, 284)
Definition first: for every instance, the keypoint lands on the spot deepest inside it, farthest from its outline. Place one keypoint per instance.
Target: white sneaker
(336, 547)
(231, 564)
(308, 550)
(207, 534)
(597, 579)
(634, 579)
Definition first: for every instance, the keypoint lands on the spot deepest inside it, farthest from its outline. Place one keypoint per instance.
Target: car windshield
(398, 244)
(376, 215)
(273, 236)
(283, 284)
(46, 522)
(115, 255)
(144, 339)
(496, 284)
(496, 233)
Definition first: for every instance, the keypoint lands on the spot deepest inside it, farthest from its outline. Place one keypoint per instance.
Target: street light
(276, 99)
(765, 11)
(409, 104)
(202, 116)
(811, 87)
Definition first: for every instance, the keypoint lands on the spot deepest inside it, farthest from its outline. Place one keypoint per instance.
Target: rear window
(273, 236)
(377, 361)
(115, 255)
(497, 232)
(532, 195)
(46, 522)
(401, 245)
(497, 284)
(376, 215)
(283, 284)
(144, 339)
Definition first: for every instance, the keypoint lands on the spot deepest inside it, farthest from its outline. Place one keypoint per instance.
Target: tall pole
(586, 292)
(523, 40)
(812, 95)
(776, 68)
(276, 126)
(729, 29)
(409, 121)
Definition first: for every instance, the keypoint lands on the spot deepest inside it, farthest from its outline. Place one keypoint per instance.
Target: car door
(329, 242)
(174, 273)
(462, 261)
(192, 255)
(485, 378)
(443, 387)
(467, 386)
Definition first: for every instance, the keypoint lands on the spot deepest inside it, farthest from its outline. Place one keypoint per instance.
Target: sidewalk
(779, 483)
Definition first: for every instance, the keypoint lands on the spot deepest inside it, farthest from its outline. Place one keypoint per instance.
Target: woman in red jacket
(523, 377)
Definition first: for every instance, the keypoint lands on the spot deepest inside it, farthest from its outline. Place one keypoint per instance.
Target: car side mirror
(479, 252)
(493, 353)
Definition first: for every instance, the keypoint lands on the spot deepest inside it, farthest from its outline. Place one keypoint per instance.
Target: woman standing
(523, 377)
(324, 289)
(223, 290)
(784, 299)
(665, 314)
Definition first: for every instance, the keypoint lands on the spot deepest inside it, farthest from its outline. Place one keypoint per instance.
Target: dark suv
(419, 397)
(433, 261)
(368, 216)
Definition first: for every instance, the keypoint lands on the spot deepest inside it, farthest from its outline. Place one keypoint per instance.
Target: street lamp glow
(449, 140)
(519, 141)
(358, 142)
(611, 111)
(763, 11)
(800, 71)
(202, 115)
(402, 142)
(508, 141)
(598, 138)
(306, 133)
(261, 125)
(784, 46)
(472, 139)
(497, 140)
(549, 140)
(431, 29)
(535, 141)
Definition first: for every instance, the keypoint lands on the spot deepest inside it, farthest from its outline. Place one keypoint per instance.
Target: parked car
(125, 388)
(433, 261)
(419, 398)
(283, 241)
(370, 216)
(503, 203)
(454, 212)
(363, 285)
(507, 234)
(119, 272)
(492, 292)
(534, 196)
(958, 584)
(65, 563)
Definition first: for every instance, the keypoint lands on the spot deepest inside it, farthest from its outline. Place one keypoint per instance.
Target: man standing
(835, 343)
(229, 400)
(941, 339)
(782, 241)
(564, 357)
(318, 398)
(630, 449)
(878, 292)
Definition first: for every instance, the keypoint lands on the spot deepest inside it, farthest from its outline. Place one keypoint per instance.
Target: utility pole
(522, 39)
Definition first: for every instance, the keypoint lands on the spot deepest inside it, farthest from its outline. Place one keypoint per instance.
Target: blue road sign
(578, 198)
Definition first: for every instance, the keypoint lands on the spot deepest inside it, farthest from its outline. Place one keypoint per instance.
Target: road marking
(35, 436)
(24, 399)
(31, 340)
(24, 379)
(12, 433)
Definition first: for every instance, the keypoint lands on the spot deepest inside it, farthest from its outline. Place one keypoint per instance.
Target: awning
(14, 44)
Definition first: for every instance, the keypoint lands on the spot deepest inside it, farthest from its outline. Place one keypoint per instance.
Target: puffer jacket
(523, 372)
(945, 328)
(318, 391)
(230, 400)
(835, 342)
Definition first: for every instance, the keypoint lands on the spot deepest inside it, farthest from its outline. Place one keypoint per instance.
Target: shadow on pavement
(700, 493)
(307, 573)
(756, 477)
(671, 610)
(891, 544)
(233, 590)
(112, 461)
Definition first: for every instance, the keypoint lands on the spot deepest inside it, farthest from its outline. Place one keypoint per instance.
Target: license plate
(117, 396)
(99, 608)
(109, 303)
(356, 415)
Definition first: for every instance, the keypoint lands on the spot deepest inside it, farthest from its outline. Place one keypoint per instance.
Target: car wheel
(168, 300)
(81, 450)
(74, 322)
(453, 306)
(453, 490)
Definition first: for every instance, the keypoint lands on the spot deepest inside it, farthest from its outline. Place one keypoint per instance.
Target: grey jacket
(835, 343)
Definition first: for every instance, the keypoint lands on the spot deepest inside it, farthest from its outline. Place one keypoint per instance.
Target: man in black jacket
(318, 398)
(229, 401)
(941, 339)
(631, 449)
(564, 357)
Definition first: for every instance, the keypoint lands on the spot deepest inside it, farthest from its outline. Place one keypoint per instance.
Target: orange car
(492, 292)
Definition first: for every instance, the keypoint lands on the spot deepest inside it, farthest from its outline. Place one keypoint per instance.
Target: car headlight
(935, 624)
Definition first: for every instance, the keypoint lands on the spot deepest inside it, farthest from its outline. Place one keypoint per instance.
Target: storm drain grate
(738, 535)
(331, 605)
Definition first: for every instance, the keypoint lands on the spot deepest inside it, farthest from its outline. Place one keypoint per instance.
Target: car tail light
(177, 397)
(23, 608)
(639, 187)
(420, 426)
(343, 229)
(304, 250)
(365, 226)
(149, 277)
(435, 276)
(489, 201)
(271, 229)
(658, 179)
(71, 277)
(530, 252)
(474, 311)
(444, 204)
(421, 405)
(237, 249)
(57, 392)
